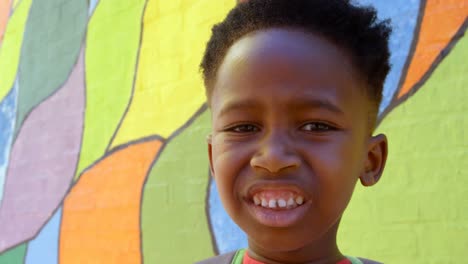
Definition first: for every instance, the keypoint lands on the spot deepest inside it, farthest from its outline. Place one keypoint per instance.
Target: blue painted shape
(92, 6)
(44, 248)
(228, 236)
(404, 16)
(7, 124)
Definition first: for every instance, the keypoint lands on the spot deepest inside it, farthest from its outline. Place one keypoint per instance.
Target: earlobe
(376, 158)
(210, 155)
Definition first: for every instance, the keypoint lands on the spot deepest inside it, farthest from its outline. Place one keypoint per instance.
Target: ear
(375, 163)
(210, 153)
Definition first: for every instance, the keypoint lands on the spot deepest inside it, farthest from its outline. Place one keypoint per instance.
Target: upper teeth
(272, 203)
(281, 203)
(292, 202)
(299, 200)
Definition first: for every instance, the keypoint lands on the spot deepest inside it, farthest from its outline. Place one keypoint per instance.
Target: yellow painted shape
(111, 53)
(11, 47)
(169, 87)
(15, 3)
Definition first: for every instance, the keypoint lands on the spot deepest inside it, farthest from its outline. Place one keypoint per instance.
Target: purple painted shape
(43, 161)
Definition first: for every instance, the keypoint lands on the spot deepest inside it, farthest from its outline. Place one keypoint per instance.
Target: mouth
(278, 200)
(278, 206)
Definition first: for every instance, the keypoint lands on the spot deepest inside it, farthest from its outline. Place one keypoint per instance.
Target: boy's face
(290, 139)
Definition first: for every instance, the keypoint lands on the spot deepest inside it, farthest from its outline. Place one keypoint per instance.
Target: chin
(279, 240)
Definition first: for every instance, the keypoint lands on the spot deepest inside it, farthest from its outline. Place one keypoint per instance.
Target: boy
(294, 88)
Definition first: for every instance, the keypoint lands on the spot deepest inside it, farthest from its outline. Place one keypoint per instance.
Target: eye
(317, 127)
(244, 128)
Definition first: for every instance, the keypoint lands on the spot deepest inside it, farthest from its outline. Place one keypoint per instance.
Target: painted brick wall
(103, 123)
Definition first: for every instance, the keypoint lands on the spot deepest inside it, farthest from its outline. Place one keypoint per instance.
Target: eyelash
(239, 128)
(319, 127)
(249, 128)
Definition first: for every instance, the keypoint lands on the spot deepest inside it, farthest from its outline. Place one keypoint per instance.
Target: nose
(275, 154)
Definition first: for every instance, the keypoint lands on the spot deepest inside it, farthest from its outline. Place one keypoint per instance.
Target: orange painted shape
(441, 21)
(5, 8)
(101, 214)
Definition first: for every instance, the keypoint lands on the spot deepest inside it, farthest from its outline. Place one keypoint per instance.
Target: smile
(277, 205)
(277, 199)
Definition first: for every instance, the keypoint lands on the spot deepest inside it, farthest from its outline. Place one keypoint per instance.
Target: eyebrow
(301, 103)
(307, 103)
(232, 106)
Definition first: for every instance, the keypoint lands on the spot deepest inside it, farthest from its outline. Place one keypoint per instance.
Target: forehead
(285, 66)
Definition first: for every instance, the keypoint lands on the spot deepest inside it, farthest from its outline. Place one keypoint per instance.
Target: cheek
(338, 159)
(336, 165)
(230, 165)
(229, 158)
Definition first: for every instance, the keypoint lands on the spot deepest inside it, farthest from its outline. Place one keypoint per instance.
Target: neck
(321, 251)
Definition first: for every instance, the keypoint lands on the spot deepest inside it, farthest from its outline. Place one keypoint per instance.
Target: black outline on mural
(60, 205)
(19, 55)
(437, 60)
(14, 247)
(414, 45)
(62, 202)
(68, 189)
(7, 161)
(92, 14)
(14, 138)
(70, 186)
(123, 147)
(201, 110)
(59, 87)
(137, 59)
(440, 57)
(95, 7)
(17, 74)
(409, 58)
(82, 49)
(142, 193)
(26, 244)
(394, 103)
(59, 232)
(214, 245)
(119, 148)
(192, 119)
(77, 174)
(164, 143)
(136, 67)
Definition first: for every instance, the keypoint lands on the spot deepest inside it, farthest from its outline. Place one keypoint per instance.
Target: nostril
(275, 163)
(275, 152)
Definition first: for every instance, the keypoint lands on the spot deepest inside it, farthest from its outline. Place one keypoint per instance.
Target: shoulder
(221, 259)
(368, 261)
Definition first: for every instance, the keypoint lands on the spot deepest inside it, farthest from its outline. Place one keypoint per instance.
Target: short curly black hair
(354, 28)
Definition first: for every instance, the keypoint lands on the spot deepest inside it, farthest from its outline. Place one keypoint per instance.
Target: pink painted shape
(43, 161)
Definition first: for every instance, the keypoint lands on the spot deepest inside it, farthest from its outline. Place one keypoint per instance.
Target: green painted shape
(11, 47)
(174, 223)
(238, 257)
(52, 41)
(15, 255)
(111, 56)
(419, 209)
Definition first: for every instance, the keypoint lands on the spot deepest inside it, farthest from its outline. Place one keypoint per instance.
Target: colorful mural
(103, 123)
